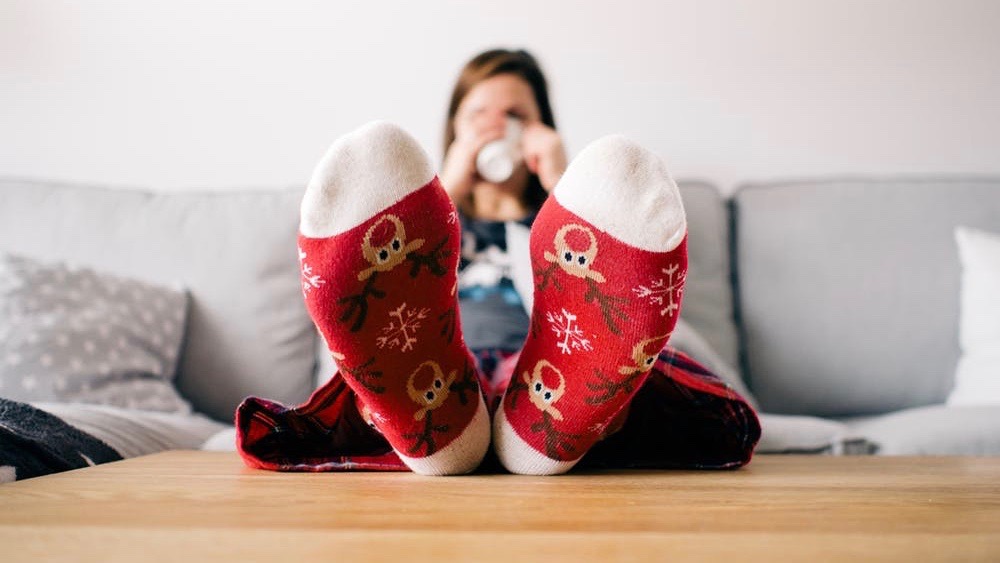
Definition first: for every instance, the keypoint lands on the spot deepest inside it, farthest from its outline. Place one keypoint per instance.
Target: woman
(495, 85)
(493, 88)
(585, 378)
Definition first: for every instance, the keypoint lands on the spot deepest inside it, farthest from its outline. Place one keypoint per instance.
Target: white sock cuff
(463, 454)
(625, 191)
(518, 456)
(361, 174)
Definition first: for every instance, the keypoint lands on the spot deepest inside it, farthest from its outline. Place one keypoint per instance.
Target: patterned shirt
(491, 310)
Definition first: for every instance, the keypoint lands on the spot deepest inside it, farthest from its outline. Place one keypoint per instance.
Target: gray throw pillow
(71, 334)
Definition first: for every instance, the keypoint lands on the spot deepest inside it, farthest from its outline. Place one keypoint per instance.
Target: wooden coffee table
(201, 506)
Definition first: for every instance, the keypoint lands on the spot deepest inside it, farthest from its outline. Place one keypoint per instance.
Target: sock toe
(626, 191)
(379, 159)
(609, 259)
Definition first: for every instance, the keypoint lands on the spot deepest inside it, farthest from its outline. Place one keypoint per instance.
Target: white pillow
(977, 378)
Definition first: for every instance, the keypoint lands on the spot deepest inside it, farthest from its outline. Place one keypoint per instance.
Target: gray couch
(837, 301)
(843, 305)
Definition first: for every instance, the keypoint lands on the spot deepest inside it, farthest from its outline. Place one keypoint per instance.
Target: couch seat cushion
(933, 430)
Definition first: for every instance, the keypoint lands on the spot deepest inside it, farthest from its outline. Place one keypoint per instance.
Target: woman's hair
(492, 63)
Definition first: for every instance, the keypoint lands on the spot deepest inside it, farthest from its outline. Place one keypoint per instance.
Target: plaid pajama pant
(682, 417)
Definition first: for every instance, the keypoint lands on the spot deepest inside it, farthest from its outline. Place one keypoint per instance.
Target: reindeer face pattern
(392, 246)
(540, 392)
(435, 393)
(370, 417)
(574, 260)
(644, 355)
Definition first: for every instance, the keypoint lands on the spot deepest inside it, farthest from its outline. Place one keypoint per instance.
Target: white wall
(208, 94)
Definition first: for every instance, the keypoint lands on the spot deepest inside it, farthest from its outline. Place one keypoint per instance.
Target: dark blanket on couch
(34, 442)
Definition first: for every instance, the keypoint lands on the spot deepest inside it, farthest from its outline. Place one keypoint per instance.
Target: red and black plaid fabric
(683, 417)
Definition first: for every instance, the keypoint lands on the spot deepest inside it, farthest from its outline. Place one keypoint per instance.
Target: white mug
(497, 159)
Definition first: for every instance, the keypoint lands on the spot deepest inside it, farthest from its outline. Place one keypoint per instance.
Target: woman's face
(488, 104)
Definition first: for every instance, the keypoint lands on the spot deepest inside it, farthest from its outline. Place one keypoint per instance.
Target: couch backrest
(708, 292)
(248, 332)
(848, 291)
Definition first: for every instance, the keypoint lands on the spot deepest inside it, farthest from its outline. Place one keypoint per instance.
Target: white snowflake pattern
(452, 217)
(401, 333)
(309, 279)
(665, 291)
(565, 327)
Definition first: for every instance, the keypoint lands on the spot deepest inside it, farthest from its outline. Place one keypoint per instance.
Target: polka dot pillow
(71, 334)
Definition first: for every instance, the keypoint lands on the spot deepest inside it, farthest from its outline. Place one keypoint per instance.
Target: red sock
(609, 253)
(379, 248)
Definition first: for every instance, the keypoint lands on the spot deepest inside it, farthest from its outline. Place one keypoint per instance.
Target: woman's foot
(379, 247)
(609, 254)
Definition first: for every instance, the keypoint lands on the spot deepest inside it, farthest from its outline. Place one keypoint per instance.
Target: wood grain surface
(207, 506)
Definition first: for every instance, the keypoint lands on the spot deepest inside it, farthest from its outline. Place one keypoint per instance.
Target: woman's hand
(458, 171)
(543, 152)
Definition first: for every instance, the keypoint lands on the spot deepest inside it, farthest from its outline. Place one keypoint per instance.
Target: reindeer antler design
(365, 376)
(431, 260)
(609, 388)
(642, 362)
(358, 303)
(555, 440)
(609, 305)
